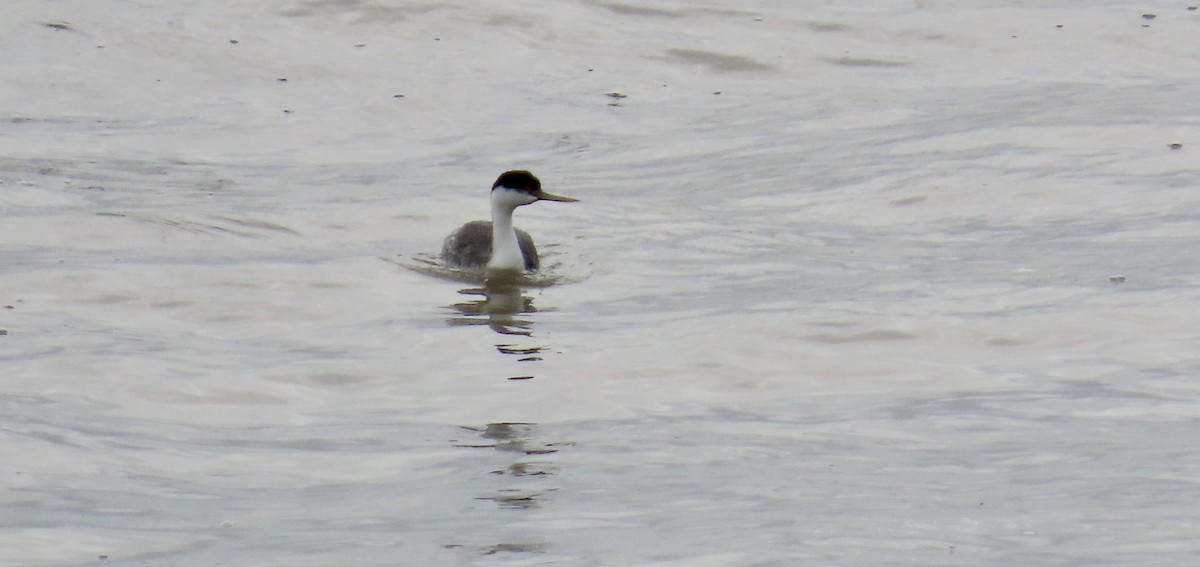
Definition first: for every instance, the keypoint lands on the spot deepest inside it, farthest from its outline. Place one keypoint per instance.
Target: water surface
(850, 284)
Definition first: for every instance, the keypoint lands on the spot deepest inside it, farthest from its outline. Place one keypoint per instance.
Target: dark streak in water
(362, 12)
(827, 27)
(631, 10)
(883, 335)
(865, 62)
(716, 61)
(59, 26)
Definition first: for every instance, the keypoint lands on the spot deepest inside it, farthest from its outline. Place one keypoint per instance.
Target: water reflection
(499, 305)
(519, 439)
(504, 307)
(514, 437)
(523, 477)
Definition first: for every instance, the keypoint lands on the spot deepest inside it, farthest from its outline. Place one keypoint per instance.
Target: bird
(497, 245)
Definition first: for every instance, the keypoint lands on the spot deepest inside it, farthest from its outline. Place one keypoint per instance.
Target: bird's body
(471, 246)
(497, 245)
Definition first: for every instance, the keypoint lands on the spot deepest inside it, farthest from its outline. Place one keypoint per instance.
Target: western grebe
(497, 245)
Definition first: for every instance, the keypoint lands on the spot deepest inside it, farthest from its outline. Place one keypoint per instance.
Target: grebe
(497, 245)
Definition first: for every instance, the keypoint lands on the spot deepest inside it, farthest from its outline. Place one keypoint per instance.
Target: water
(917, 287)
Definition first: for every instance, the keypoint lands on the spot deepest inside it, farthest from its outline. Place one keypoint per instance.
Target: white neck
(506, 253)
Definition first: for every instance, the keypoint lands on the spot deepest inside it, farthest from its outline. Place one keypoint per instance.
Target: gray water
(870, 283)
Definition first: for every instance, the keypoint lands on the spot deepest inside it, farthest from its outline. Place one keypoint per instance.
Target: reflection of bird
(497, 245)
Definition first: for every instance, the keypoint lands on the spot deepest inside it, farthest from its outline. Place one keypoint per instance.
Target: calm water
(849, 284)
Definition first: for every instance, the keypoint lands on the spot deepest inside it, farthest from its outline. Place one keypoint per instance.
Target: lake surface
(849, 283)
